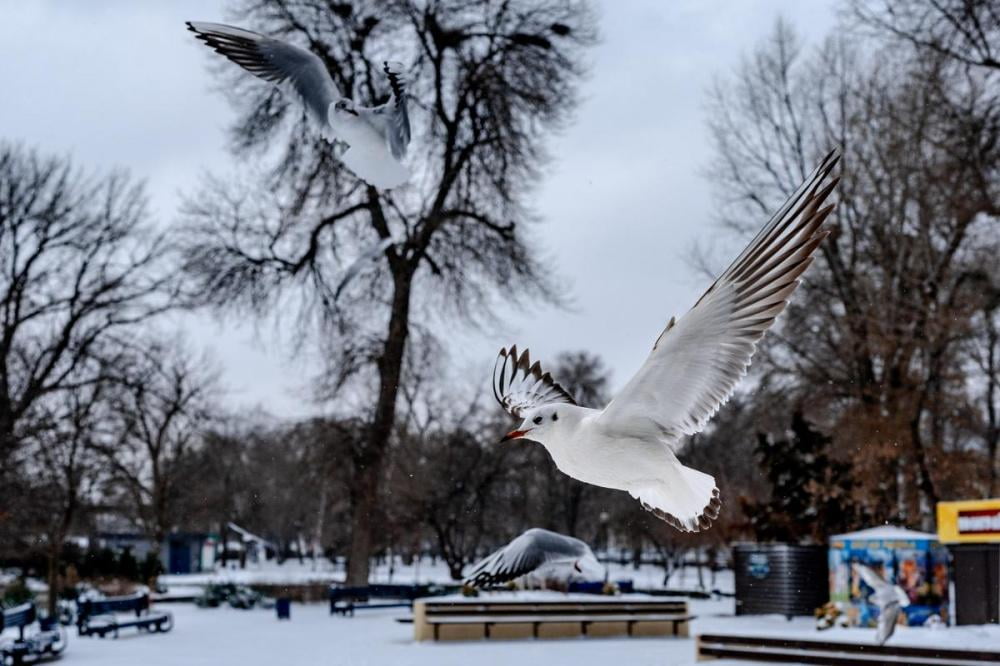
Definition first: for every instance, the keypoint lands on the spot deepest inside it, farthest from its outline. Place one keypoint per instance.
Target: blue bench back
(408, 592)
(133, 602)
(597, 587)
(18, 617)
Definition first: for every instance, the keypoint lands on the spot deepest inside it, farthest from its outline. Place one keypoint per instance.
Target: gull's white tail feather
(681, 496)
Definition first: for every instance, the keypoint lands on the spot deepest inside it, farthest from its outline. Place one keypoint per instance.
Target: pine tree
(811, 492)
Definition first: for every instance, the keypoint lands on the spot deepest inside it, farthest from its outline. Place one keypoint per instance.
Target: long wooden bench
(510, 618)
(783, 650)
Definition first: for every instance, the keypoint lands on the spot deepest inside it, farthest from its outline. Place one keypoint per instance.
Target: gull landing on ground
(376, 136)
(546, 556)
(692, 370)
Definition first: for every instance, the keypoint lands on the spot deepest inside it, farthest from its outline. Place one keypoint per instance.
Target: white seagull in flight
(890, 599)
(376, 137)
(548, 555)
(693, 369)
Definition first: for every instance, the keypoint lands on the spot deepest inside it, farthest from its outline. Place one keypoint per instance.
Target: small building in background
(188, 552)
(916, 561)
(971, 530)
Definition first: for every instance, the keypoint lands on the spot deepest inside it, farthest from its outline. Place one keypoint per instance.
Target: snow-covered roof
(885, 532)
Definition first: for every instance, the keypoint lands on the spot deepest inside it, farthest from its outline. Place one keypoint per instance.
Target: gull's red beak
(515, 434)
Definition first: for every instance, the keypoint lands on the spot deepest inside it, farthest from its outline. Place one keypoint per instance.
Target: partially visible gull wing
(697, 361)
(519, 385)
(887, 618)
(398, 120)
(872, 579)
(523, 555)
(277, 62)
(358, 264)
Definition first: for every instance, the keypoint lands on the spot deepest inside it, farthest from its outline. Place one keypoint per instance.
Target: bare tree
(78, 263)
(967, 31)
(875, 337)
(454, 483)
(964, 36)
(984, 353)
(162, 406)
(486, 81)
(64, 471)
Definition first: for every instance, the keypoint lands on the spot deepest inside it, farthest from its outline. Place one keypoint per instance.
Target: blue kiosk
(916, 561)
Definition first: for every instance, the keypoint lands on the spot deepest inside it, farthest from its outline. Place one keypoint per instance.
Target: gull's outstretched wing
(872, 579)
(358, 264)
(525, 554)
(397, 127)
(697, 361)
(519, 385)
(887, 618)
(277, 62)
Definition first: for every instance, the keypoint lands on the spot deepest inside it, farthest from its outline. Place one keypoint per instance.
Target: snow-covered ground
(312, 637)
(224, 635)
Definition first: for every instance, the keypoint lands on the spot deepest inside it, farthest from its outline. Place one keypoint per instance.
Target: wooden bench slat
(777, 655)
(562, 619)
(865, 648)
(539, 619)
(507, 608)
(830, 652)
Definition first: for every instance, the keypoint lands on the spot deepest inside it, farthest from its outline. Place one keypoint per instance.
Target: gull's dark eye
(537, 420)
(555, 417)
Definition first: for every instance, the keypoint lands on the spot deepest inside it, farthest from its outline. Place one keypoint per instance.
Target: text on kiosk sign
(979, 521)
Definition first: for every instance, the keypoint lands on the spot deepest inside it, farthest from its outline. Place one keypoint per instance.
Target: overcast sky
(122, 84)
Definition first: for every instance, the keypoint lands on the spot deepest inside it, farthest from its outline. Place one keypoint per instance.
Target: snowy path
(374, 638)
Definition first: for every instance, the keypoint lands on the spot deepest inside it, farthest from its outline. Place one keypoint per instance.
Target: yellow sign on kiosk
(970, 521)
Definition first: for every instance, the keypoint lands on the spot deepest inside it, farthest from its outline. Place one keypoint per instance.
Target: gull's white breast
(592, 456)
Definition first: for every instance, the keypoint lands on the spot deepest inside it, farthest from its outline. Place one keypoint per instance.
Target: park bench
(101, 616)
(507, 617)
(48, 642)
(764, 649)
(345, 600)
(597, 587)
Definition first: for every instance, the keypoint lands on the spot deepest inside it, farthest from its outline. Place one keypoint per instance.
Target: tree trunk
(317, 536)
(369, 461)
(53, 578)
(925, 480)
